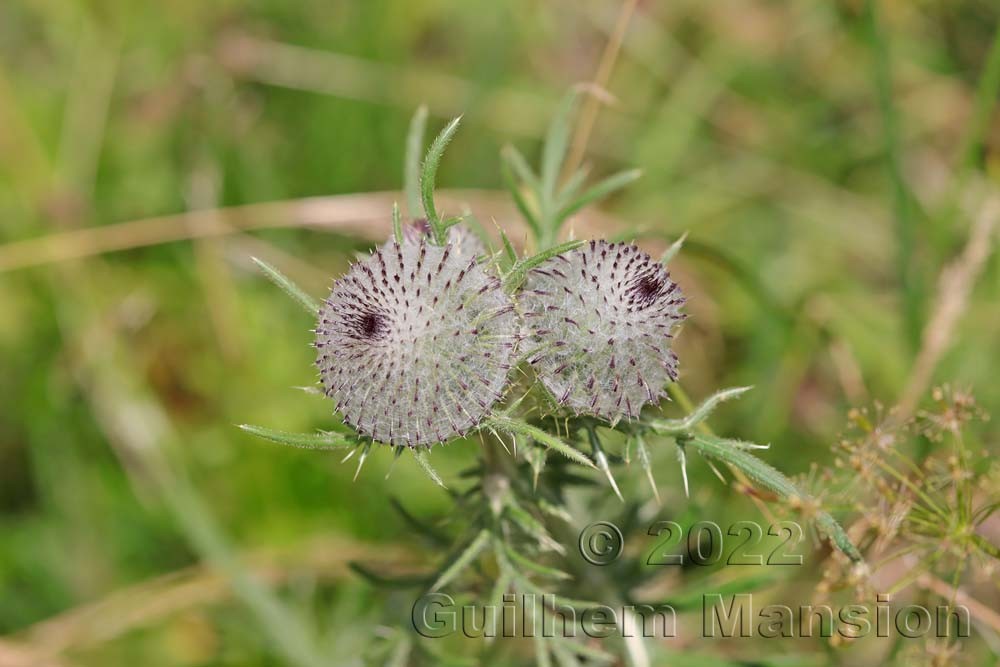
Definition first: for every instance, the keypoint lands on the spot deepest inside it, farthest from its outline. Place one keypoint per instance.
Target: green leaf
(388, 581)
(768, 477)
(411, 164)
(523, 207)
(422, 460)
(428, 175)
(508, 248)
(515, 160)
(644, 462)
(674, 248)
(693, 596)
(321, 441)
(699, 414)
(598, 191)
(556, 143)
(512, 425)
(397, 224)
(310, 304)
(463, 560)
(602, 461)
(539, 569)
(531, 526)
(520, 270)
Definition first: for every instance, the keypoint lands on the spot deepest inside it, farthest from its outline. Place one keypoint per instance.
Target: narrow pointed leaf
(514, 187)
(535, 567)
(643, 454)
(422, 460)
(519, 427)
(464, 559)
(699, 414)
(768, 477)
(397, 224)
(599, 191)
(508, 248)
(557, 142)
(674, 248)
(320, 441)
(310, 304)
(428, 175)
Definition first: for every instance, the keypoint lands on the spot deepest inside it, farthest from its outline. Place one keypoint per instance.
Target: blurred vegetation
(828, 161)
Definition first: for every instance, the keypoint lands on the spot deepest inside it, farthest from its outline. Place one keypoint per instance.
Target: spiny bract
(415, 343)
(601, 320)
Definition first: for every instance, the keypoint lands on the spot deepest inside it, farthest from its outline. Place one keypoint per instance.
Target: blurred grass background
(820, 155)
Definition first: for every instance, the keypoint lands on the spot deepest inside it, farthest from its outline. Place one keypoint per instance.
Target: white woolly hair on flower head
(601, 320)
(415, 343)
(460, 238)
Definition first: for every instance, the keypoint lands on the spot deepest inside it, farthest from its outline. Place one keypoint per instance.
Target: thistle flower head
(414, 343)
(601, 319)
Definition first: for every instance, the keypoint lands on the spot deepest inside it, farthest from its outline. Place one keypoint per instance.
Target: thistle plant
(546, 360)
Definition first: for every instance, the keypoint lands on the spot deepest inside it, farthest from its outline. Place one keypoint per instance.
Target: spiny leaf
(771, 479)
(699, 414)
(602, 461)
(320, 441)
(411, 166)
(599, 191)
(512, 425)
(520, 270)
(463, 560)
(428, 531)
(644, 462)
(532, 526)
(428, 175)
(310, 304)
(539, 569)
(421, 456)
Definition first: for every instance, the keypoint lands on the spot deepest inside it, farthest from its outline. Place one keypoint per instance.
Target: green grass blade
(411, 164)
(310, 304)
(520, 202)
(598, 191)
(556, 144)
(907, 275)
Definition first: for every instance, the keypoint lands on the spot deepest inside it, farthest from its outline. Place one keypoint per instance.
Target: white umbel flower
(415, 343)
(601, 320)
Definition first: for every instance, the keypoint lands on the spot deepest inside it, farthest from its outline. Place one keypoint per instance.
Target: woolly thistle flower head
(415, 343)
(601, 320)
